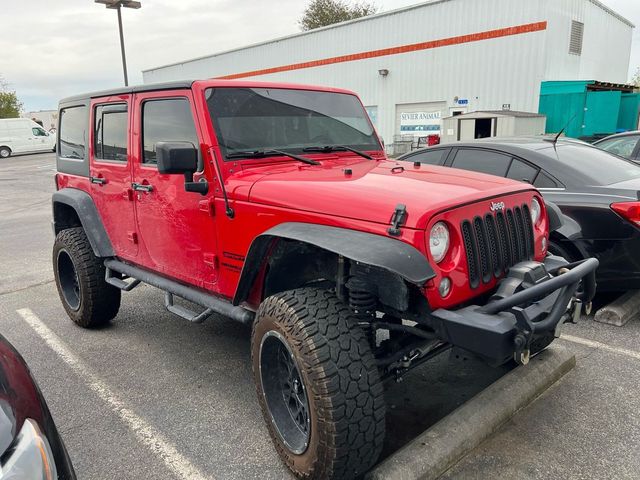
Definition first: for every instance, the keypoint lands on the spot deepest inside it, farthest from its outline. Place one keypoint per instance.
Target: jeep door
(110, 172)
(176, 227)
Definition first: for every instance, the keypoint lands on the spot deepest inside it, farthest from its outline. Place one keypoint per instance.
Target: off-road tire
(5, 152)
(99, 302)
(338, 370)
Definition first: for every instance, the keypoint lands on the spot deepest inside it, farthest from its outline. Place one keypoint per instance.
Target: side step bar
(208, 301)
(183, 312)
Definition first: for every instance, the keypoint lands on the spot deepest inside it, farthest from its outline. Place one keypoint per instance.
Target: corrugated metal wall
(606, 43)
(488, 73)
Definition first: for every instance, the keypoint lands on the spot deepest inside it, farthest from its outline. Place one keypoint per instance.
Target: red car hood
(374, 188)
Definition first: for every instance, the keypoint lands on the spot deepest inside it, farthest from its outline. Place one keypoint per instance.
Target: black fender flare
(370, 249)
(555, 215)
(569, 231)
(85, 208)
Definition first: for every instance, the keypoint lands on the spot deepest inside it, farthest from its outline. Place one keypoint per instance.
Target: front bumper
(536, 299)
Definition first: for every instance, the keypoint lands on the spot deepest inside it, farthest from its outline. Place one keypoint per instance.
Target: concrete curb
(621, 310)
(437, 449)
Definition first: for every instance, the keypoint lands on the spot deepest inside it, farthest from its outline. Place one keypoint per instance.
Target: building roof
(396, 11)
(500, 113)
(512, 113)
(612, 13)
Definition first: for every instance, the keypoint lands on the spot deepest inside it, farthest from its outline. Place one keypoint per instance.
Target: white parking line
(601, 346)
(145, 433)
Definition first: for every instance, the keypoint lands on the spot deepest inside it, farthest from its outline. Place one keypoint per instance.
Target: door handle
(141, 188)
(98, 180)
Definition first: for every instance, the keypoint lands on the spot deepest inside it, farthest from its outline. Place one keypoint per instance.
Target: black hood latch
(397, 220)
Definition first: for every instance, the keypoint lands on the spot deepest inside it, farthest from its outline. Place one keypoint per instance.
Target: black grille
(494, 243)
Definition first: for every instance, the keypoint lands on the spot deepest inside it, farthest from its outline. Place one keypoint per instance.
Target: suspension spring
(362, 302)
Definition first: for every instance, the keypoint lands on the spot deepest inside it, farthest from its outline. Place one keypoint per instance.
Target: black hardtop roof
(151, 87)
(538, 150)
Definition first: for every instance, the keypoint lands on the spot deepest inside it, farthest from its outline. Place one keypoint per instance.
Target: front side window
(483, 161)
(430, 157)
(166, 120)
(73, 132)
(110, 132)
(254, 119)
(39, 132)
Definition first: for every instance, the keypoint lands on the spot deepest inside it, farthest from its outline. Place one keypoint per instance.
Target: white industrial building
(47, 118)
(414, 66)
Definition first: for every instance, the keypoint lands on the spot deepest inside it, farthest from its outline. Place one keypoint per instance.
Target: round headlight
(536, 209)
(439, 241)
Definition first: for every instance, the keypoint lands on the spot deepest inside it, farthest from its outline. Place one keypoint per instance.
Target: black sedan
(597, 192)
(626, 145)
(30, 446)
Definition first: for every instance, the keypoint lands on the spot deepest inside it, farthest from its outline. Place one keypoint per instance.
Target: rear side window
(431, 157)
(110, 132)
(544, 181)
(521, 171)
(483, 161)
(167, 120)
(73, 132)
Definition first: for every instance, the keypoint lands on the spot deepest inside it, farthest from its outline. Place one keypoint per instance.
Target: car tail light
(55, 178)
(628, 210)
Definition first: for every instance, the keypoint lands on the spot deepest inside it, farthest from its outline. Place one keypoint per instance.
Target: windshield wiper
(337, 148)
(270, 153)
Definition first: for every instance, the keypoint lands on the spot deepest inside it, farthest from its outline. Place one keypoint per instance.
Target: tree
(320, 13)
(636, 78)
(10, 106)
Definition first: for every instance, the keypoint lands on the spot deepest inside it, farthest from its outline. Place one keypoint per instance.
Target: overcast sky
(53, 48)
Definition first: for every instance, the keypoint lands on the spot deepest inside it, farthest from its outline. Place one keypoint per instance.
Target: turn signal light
(628, 210)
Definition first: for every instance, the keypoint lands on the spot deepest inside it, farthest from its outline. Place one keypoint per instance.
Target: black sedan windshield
(595, 166)
(257, 119)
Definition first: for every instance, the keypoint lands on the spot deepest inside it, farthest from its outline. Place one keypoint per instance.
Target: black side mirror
(180, 158)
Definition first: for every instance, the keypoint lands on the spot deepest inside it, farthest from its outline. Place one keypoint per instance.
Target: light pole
(117, 5)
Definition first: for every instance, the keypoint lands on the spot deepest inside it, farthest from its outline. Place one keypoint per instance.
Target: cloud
(50, 49)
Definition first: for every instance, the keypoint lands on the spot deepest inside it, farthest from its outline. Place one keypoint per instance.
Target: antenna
(555, 139)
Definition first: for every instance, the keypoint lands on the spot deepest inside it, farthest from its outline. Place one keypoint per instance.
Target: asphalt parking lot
(152, 396)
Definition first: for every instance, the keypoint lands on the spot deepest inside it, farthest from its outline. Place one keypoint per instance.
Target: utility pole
(117, 5)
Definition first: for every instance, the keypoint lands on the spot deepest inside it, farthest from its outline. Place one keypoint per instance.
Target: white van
(22, 135)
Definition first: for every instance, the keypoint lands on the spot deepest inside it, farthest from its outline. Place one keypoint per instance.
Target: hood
(373, 189)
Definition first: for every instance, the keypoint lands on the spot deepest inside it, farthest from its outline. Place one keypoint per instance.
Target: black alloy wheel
(69, 283)
(284, 392)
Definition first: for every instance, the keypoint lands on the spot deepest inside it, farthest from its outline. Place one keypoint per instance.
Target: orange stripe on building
(414, 47)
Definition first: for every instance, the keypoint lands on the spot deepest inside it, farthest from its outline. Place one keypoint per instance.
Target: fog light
(445, 287)
(544, 243)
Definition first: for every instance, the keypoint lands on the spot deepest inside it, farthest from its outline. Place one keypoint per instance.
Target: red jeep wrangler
(276, 206)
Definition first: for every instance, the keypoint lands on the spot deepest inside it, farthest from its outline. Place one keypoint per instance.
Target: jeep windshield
(294, 121)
